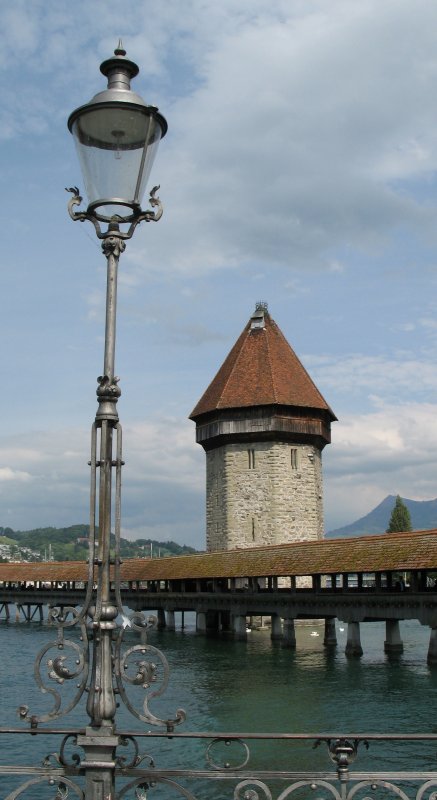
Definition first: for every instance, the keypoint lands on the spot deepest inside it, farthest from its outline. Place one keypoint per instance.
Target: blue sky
(299, 169)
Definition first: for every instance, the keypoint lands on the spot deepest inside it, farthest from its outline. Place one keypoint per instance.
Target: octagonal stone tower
(263, 424)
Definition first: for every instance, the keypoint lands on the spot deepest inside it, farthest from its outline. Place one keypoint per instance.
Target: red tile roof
(261, 369)
(387, 551)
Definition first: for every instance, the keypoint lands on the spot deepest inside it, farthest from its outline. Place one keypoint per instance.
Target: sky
(299, 169)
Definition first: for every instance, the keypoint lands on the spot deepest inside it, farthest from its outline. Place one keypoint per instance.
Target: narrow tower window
(294, 458)
(253, 529)
(251, 458)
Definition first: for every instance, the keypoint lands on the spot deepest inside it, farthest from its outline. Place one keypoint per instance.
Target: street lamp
(116, 136)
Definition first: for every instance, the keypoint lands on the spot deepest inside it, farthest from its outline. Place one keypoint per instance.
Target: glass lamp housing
(116, 136)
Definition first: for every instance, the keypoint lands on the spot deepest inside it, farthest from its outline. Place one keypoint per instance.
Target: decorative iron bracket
(134, 219)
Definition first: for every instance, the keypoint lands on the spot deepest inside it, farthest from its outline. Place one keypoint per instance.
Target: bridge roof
(381, 553)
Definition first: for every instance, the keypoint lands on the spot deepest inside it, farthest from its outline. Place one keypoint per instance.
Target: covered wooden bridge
(388, 577)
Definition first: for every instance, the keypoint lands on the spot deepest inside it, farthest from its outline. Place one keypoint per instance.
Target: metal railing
(242, 766)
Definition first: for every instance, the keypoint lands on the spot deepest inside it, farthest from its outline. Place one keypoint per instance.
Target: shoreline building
(263, 425)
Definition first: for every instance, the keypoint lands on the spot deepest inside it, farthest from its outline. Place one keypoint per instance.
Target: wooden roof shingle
(384, 552)
(261, 369)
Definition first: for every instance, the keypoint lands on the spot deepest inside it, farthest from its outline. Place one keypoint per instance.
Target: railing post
(99, 764)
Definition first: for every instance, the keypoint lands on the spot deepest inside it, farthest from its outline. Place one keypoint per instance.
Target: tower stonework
(263, 424)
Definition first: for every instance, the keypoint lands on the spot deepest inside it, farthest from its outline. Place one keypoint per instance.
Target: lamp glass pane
(116, 147)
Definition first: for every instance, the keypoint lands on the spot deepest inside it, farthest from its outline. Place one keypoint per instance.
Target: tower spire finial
(257, 319)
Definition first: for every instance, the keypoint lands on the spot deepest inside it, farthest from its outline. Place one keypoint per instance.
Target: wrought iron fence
(345, 767)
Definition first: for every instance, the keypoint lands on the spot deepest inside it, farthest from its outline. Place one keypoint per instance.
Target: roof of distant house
(261, 370)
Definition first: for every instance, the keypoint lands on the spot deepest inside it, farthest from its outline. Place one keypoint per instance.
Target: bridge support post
(393, 642)
(212, 621)
(289, 634)
(432, 649)
(201, 622)
(240, 627)
(353, 645)
(161, 619)
(330, 639)
(170, 620)
(225, 622)
(276, 629)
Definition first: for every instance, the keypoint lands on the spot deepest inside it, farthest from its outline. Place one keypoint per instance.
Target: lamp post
(116, 136)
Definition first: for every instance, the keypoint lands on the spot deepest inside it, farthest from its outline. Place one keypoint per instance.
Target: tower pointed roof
(261, 370)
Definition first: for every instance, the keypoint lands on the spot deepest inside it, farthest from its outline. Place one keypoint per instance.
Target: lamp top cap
(119, 60)
(119, 71)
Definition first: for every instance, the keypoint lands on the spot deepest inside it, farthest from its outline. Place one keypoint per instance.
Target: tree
(400, 519)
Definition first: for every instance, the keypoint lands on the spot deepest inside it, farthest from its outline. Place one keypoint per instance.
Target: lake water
(256, 686)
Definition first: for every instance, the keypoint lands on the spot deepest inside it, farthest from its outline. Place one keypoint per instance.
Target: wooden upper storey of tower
(261, 370)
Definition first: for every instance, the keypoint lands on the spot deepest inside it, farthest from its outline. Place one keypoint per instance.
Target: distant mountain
(423, 517)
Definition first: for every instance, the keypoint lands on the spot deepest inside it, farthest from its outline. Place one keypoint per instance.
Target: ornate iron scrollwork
(246, 790)
(61, 787)
(68, 662)
(136, 759)
(142, 665)
(141, 787)
(226, 760)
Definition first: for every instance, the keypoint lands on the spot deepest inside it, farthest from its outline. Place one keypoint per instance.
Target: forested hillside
(71, 544)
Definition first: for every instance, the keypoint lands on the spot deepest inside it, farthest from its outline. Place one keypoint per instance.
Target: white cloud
(95, 301)
(392, 450)
(374, 375)
(8, 474)
(334, 118)
(406, 327)
(163, 491)
(291, 133)
(164, 450)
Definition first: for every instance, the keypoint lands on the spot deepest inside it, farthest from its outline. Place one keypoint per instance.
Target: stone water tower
(263, 425)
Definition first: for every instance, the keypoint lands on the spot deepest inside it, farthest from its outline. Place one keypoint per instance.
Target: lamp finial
(119, 50)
